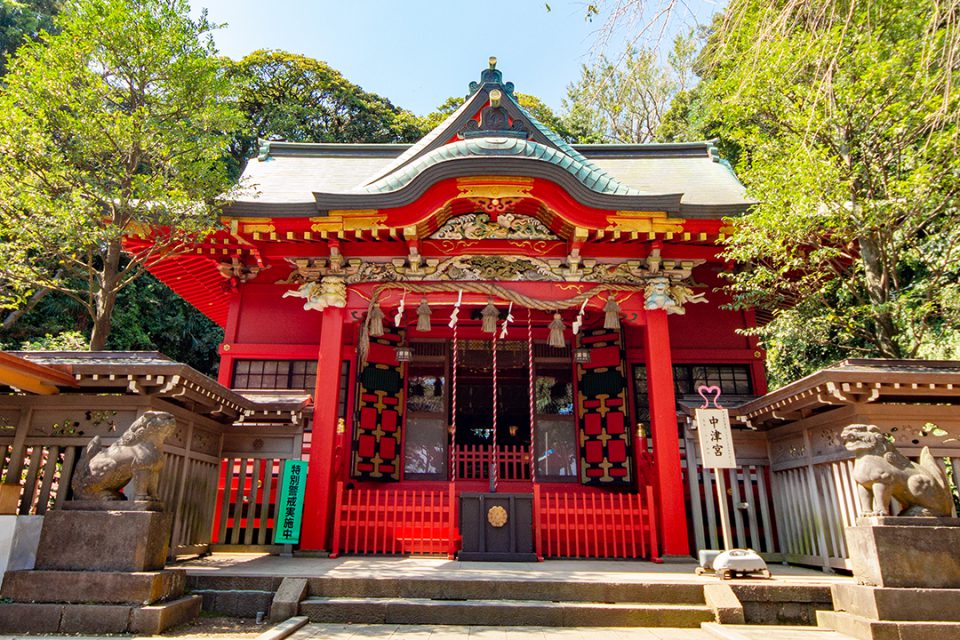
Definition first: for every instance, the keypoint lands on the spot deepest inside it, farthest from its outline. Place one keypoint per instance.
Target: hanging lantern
(556, 332)
(376, 321)
(423, 316)
(611, 319)
(490, 317)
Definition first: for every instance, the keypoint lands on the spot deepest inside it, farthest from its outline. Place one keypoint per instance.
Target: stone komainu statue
(882, 473)
(137, 454)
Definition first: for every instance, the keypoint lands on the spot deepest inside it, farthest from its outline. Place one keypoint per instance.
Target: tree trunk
(878, 289)
(16, 314)
(105, 297)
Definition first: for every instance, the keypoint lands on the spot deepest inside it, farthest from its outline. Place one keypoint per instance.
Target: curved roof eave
(591, 176)
(498, 165)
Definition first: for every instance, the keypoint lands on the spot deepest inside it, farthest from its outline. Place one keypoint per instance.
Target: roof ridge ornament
(491, 75)
(494, 118)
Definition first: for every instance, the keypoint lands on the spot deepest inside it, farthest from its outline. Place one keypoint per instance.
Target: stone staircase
(509, 600)
(503, 603)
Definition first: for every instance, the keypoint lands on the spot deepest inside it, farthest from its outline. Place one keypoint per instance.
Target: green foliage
(65, 341)
(149, 317)
(847, 120)
(20, 21)
(295, 98)
(114, 125)
(624, 101)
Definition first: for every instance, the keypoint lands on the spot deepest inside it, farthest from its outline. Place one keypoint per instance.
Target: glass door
(425, 439)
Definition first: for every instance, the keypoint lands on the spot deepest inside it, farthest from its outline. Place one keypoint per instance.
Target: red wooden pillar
(225, 373)
(318, 501)
(666, 442)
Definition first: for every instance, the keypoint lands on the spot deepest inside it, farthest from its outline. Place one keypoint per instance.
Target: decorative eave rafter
(150, 373)
(854, 382)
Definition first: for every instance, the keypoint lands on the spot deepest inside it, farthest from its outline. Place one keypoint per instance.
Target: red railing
(595, 524)
(395, 521)
(473, 462)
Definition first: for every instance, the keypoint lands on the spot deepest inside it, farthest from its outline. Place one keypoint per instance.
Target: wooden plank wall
(814, 494)
(42, 455)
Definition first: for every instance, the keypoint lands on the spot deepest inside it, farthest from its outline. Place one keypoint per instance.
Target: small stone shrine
(907, 566)
(100, 563)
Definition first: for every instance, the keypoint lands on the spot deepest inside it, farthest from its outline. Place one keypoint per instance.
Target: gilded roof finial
(491, 75)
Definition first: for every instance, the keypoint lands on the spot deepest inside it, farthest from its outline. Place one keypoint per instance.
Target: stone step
(491, 612)
(866, 629)
(552, 590)
(106, 587)
(22, 617)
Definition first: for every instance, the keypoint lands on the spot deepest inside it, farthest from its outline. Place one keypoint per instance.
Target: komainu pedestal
(100, 560)
(908, 570)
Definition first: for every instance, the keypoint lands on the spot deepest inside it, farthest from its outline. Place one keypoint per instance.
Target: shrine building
(490, 316)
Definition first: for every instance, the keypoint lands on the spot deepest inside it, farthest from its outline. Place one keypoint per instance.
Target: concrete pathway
(613, 571)
(420, 632)
(760, 632)
(416, 632)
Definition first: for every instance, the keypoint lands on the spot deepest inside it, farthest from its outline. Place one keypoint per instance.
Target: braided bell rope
(453, 402)
(489, 289)
(495, 470)
(532, 397)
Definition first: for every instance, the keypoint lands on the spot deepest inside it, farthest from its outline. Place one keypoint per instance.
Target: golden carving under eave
(494, 187)
(539, 247)
(451, 246)
(257, 227)
(348, 220)
(644, 222)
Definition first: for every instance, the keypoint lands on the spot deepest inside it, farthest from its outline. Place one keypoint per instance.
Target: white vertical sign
(716, 439)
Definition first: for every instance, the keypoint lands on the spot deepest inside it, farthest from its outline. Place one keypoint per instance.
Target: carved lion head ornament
(864, 437)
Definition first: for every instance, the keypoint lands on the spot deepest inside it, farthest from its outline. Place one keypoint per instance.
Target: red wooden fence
(596, 524)
(568, 522)
(473, 462)
(395, 521)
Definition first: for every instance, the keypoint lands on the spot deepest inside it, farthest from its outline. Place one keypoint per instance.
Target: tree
(295, 98)
(847, 120)
(20, 21)
(114, 126)
(625, 101)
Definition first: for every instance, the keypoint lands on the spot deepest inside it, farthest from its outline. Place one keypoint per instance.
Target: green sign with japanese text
(290, 506)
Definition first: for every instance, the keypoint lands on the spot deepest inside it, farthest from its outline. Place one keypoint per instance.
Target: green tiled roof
(585, 171)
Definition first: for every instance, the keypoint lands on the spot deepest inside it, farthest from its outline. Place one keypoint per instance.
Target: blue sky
(417, 53)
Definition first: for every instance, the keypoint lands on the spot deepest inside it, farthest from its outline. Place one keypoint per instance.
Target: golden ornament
(497, 516)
